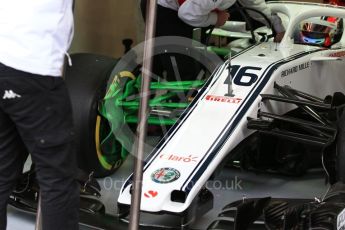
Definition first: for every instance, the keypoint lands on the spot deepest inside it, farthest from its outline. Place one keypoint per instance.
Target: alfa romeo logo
(165, 175)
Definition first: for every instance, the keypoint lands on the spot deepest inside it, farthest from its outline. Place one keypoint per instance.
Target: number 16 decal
(243, 76)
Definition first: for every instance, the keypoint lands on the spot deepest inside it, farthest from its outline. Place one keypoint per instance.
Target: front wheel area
(105, 104)
(97, 148)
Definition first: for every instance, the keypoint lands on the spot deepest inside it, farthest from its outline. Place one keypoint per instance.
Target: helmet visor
(314, 35)
(316, 29)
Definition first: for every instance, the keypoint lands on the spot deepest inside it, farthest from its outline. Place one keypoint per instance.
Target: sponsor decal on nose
(223, 99)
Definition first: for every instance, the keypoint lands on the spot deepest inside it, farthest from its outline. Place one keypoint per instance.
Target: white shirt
(199, 13)
(35, 34)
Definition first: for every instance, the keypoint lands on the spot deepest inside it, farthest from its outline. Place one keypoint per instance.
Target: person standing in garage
(180, 17)
(35, 108)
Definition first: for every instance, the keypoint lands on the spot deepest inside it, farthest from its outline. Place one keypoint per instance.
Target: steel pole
(134, 217)
(38, 225)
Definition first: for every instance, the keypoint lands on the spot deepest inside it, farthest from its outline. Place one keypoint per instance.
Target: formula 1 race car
(268, 107)
(272, 107)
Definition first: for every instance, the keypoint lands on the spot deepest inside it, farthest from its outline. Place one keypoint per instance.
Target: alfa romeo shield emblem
(165, 175)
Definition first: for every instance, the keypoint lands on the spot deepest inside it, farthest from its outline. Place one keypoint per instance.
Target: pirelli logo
(223, 99)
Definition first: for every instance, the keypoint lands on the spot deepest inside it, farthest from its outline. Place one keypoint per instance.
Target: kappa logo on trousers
(9, 94)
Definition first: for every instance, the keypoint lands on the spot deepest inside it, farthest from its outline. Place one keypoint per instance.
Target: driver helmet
(324, 31)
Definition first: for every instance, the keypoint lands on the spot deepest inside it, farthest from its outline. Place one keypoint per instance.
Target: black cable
(270, 25)
(243, 12)
(246, 18)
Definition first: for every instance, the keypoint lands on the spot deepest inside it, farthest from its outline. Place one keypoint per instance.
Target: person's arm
(261, 6)
(199, 13)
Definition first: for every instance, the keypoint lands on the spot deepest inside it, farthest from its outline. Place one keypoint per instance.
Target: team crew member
(202, 13)
(35, 108)
(180, 17)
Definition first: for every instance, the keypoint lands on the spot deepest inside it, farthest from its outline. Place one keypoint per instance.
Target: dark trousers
(36, 118)
(169, 24)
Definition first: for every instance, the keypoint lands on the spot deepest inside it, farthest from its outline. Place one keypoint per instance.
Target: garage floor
(229, 186)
